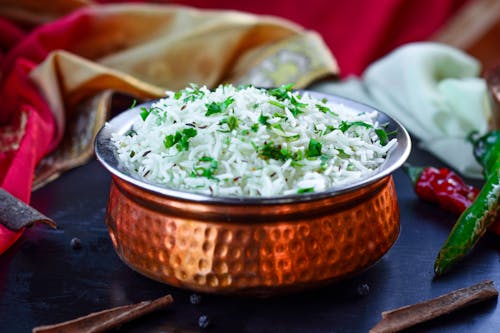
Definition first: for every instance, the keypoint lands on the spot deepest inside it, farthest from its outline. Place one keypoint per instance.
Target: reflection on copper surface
(258, 249)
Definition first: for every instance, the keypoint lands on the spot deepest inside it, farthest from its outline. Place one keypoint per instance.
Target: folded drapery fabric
(57, 82)
(435, 91)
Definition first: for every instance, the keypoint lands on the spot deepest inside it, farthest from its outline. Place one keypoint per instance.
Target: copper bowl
(256, 246)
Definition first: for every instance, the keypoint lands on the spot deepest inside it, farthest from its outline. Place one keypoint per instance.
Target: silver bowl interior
(105, 153)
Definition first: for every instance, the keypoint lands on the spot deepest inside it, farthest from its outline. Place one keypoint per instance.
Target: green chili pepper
(476, 219)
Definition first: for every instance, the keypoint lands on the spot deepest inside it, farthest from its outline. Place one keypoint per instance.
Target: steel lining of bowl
(251, 245)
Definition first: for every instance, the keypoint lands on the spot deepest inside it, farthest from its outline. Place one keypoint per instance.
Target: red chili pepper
(446, 188)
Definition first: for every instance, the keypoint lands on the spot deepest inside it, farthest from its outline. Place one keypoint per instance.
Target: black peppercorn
(76, 243)
(363, 289)
(203, 321)
(195, 299)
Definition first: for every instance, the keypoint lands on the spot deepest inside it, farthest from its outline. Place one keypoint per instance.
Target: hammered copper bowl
(252, 246)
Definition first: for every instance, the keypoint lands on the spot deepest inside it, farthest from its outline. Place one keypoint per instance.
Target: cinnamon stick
(410, 315)
(107, 319)
(15, 214)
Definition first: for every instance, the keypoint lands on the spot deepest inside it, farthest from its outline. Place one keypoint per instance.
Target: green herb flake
(189, 132)
(278, 127)
(218, 107)
(180, 139)
(279, 115)
(206, 167)
(272, 151)
(383, 136)
(326, 110)
(305, 190)
(328, 129)
(263, 119)
(297, 106)
(282, 92)
(255, 127)
(145, 113)
(277, 104)
(314, 148)
(342, 154)
(344, 125)
(232, 122)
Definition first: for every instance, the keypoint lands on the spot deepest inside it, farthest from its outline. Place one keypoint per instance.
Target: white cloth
(434, 91)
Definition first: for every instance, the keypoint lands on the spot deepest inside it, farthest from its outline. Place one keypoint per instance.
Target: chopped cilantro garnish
(158, 111)
(232, 122)
(206, 168)
(344, 125)
(328, 129)
(314, 148)
(277, 104)
(279, 115)
(192, 93)
(342, 153)
(299, 155)
(281, 132)
(305, 190)
(189, 132)
(272, 151)
(297, 106)
(322, 108)
(383, 136)
(180, 139)
(171, 140)
(218, 107)
(278, 127)
(324, 100)
(255, 127)
(134, 103)
(281, 93)
(263, 119)
(145, 113)
(326, 110)
(292, 138)
(295, 102)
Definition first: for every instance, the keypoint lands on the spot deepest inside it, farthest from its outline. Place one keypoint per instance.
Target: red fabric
(356, 31)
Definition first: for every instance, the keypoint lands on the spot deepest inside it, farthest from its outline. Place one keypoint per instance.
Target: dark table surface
(43, 280)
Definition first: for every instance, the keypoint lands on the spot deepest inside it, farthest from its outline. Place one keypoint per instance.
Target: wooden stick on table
(410, 315)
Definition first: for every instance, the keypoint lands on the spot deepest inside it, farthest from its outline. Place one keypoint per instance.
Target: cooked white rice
(245, 141)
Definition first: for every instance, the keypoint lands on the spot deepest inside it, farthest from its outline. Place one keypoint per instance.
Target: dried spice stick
(15, 214)
(410, 315)
(107, 319)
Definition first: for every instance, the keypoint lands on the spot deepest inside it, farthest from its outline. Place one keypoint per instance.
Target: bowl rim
(105, 154)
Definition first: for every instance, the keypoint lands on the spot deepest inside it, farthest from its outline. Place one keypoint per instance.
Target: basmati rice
(245, 141)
